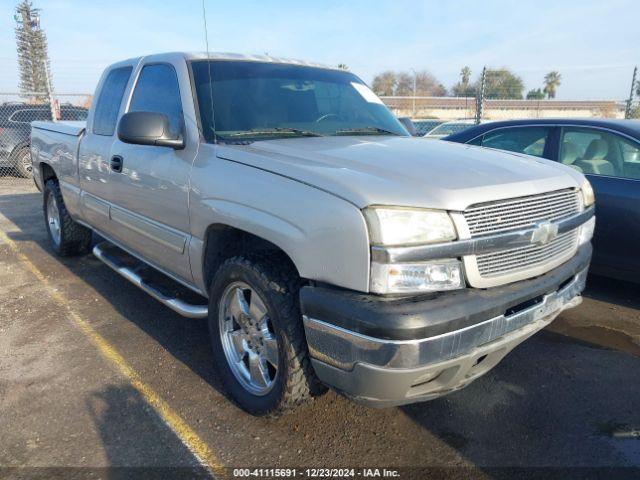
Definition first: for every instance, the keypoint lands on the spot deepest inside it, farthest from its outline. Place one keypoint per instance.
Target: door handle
(116, 163)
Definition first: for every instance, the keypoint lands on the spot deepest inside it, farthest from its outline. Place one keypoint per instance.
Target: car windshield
(262, 100)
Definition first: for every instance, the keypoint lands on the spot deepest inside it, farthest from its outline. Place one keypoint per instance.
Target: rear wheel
(22, 162)
(258, 337)
(67, 236)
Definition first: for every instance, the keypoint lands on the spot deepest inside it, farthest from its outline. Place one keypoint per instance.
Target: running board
(132, 269)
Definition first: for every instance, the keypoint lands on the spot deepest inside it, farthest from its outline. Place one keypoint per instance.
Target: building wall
(448, 108)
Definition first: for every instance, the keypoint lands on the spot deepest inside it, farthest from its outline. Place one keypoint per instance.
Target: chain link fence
(17, 111)
(497, 94)
(457, 108)
(452, 114)
(634, 109)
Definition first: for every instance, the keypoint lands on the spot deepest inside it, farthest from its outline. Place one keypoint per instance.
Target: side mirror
(408, 124)
(148, 128)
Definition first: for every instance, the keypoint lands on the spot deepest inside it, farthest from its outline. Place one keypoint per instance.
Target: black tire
(277, 285)
(21, 160)
(74, 239)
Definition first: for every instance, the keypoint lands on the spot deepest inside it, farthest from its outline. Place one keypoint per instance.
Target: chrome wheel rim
(53, 218)
(248, 338)
(26, 162)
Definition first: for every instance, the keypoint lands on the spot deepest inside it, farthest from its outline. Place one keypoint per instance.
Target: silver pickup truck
(283, 201)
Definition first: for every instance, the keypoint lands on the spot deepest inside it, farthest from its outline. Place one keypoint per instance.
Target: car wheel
(67, 236)
(22, 163)
(258, 336)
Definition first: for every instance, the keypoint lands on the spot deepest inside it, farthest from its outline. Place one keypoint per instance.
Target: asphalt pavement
(98, 379)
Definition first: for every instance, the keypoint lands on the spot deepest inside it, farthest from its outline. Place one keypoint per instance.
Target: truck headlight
(431, 276)
(408, 226)
(588, 197)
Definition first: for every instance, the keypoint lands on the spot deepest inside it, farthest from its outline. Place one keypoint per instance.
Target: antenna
(206, 41)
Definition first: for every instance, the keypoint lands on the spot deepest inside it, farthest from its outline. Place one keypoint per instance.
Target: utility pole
(480, 97)
(627, 112)
(415, 79)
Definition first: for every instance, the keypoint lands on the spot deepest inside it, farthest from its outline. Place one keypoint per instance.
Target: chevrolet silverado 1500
(324, 245)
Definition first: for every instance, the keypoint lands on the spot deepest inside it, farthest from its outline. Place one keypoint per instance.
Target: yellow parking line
(186, 434)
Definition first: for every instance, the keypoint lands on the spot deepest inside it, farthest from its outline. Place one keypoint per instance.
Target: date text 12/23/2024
(315, 473)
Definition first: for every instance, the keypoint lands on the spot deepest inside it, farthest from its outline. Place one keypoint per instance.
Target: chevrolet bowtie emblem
(544, 232)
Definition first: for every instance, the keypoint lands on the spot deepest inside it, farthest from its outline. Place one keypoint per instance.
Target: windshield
(260, 100)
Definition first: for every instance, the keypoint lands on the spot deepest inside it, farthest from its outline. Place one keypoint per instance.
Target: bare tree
(384, 84)
(427, 85)
(33, 56)
(404, 84)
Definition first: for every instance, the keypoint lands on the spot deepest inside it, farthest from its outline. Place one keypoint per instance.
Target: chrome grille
(522, 212)
(516, 259)
(497, 268)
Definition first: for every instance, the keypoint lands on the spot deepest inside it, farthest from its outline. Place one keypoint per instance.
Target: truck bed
(57, 143)
(68, 128)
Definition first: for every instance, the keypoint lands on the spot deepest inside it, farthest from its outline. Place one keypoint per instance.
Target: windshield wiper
(366, 131)
(271, 131)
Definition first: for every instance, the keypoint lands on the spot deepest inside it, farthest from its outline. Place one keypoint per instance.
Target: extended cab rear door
(94, 170)
(149, 190)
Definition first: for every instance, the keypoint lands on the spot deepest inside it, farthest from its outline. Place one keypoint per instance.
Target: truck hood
(407, 171)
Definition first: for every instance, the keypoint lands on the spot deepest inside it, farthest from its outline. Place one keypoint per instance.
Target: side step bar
(130, 272)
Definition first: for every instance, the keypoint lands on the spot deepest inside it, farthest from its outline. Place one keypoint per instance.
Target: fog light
(416, 277)
(586, 231)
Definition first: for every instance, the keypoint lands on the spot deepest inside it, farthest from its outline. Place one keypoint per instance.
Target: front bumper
(395, 367)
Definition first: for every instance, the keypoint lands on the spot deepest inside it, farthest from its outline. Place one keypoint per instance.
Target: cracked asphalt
(564, 403)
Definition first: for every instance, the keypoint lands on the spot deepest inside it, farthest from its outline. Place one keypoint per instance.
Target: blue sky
(594, 44)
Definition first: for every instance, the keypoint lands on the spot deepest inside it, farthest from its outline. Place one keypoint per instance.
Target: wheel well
(47, 172)
(223, 242)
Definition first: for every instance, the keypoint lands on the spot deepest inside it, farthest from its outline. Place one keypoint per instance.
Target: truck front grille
(496, 268)
(523, 212)
(522, 258)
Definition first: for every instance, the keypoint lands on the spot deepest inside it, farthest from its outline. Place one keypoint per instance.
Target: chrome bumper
(343, 349)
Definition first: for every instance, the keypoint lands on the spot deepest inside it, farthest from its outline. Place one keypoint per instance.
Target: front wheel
(258, 337)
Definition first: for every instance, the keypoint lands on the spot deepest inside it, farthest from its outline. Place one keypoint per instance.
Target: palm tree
(552, 81)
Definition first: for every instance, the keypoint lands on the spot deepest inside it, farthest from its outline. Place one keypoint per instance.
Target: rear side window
(157, 91)
(529, 140)
(598, 152)
(73, 114)
(108, 105)
(30, 115)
